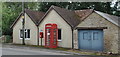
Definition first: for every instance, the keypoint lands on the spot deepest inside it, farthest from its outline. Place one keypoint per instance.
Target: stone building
(86, 29)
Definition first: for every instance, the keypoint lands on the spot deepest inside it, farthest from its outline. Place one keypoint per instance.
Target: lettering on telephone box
(51, 35)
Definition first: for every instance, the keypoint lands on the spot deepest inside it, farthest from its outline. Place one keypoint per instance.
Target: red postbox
(51, 35)
(41, 34)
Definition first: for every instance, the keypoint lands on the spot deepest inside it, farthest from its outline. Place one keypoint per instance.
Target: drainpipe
(41, 41)
(38, 35)
(72, 39)
(23, 24)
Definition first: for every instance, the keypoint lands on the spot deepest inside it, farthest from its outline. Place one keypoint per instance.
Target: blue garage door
(91, 40)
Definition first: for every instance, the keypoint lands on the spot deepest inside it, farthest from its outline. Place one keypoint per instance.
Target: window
(21, 33)
(95, 35)
(27, 33)
(59, 34)
(85, 35)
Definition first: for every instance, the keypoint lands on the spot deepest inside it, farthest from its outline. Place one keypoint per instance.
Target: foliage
(8, 39)
(99, 6)
(0, 20)
(10, 13)
(11, 10)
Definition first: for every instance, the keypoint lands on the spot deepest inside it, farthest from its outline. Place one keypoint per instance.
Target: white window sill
(59, 40)
(25, 38)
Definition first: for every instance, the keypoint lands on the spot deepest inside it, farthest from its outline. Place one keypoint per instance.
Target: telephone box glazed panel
(51, 35)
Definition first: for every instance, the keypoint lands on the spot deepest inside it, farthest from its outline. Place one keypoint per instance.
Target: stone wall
(66, 32)
(29, 24)
(110, 34)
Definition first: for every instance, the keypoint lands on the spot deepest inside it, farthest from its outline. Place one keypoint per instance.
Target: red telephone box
(51, 35)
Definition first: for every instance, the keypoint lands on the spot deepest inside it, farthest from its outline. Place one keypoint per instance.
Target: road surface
(16, 51)
(25, 50)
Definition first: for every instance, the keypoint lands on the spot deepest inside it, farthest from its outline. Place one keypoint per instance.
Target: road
(8, 49)
(36, 53)
(16, 51)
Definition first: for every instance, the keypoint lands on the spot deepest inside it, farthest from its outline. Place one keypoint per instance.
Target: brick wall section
(110, 34)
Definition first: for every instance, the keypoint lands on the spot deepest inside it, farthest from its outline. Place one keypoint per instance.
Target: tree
(0, 20)
(99, 6)
(12, 9)
(10, 12)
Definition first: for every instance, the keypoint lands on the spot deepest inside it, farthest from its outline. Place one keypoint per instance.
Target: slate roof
(34, 15)
(83, 14)
(69, 16)
(73, 18)
(114, 19)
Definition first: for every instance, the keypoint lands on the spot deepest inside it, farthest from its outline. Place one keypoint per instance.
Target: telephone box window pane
(48, 37)
(59, 34)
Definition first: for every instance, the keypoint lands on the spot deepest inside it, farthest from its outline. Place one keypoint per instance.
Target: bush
(8, 39)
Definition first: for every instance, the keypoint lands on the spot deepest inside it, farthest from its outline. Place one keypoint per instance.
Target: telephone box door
(55, 35)
(48, 32)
